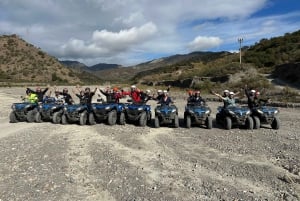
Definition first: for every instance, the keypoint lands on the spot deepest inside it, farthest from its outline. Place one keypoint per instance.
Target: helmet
(165, 91)
(252, 91)
(226, 91)
(115, 89)
(257, 93)
(159, 91)
(190, 92)
(148, 91)
(197, 92)
(231, 93)
(133, 87)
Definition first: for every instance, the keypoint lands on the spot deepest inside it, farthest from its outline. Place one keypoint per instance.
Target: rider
(112, 96)
(146, 96)
(227, 100)
(39, 93)
(251, 97)
(31, 97)
(134, 93)
(197, 98)
(165, 100)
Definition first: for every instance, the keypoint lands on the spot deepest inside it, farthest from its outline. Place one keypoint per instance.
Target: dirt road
(71, 162)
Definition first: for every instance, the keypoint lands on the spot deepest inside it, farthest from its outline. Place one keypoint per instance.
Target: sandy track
(70, 162)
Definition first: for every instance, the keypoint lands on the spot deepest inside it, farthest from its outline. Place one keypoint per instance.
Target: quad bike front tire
(156, 122)
(13, 118)
(176, 121)
(83, 118)
(256, 122)
(143, 119)
(112, 117)
(208, 123)
(249, 123)
(64, 119)
(122, 120)
(275, 123)
(57, 117)
(228, 123)
(92, 120)
(188, 121)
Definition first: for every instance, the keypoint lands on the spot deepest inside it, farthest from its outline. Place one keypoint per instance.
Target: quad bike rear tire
(275, 123)
(64, 119)
(38, 117)
(30, 117)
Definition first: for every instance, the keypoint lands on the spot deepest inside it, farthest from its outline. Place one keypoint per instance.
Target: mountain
(22, 62)
(103, 66)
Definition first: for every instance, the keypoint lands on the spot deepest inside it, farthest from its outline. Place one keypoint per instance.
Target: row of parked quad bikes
(140, 114)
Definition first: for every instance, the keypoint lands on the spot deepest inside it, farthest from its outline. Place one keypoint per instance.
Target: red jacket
(135, 95)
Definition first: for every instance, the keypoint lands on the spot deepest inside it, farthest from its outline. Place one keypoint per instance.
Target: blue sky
(129, 32)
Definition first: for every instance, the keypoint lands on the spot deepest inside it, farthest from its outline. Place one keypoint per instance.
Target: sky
(129, 32)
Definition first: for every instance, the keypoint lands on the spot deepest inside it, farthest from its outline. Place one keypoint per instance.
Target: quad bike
(23, 112)
(197, 114)
(166, 114)
(139, 114)
(109, 112)
(265, 115)
(234, 116)
(49, 110)
(77, 113)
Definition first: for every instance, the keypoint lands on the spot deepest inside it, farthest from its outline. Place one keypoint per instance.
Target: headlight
(78, 109)
(173, 110)
(276, 111)
(259, 111)
(27, 106)
(65, 109)
(231, 112)
(140, 109)
(54, 107)
(191, 111)
(157, 111)
(13, 107)
(40, 106)
(248, 112)
(107, 107)
(207, 112)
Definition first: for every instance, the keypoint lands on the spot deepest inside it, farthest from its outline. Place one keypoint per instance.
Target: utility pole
(240, 40)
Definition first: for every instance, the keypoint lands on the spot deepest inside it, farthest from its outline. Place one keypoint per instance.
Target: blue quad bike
(234, 116)
(23, 112)
(197, 114)
(265, 115)
(166, 114)
(107, 112)
(49, 110)
(77, 113)
(140, 114)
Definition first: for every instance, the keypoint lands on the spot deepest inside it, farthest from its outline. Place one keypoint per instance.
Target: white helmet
(231, 93)
(226, 91)
(148, 91)
(252, 91)
(133, 87)
(165, 91)
(159, 91)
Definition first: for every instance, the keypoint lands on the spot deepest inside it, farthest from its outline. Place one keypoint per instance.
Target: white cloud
(102, 30)
(106, 43)
(201, 43)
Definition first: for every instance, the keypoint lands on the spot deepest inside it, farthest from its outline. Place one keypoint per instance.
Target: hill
(22, 62)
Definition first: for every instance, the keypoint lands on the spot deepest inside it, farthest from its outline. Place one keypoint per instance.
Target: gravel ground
(70, 162)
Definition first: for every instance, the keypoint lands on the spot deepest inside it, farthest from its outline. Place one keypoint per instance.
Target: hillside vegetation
(22, 62)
